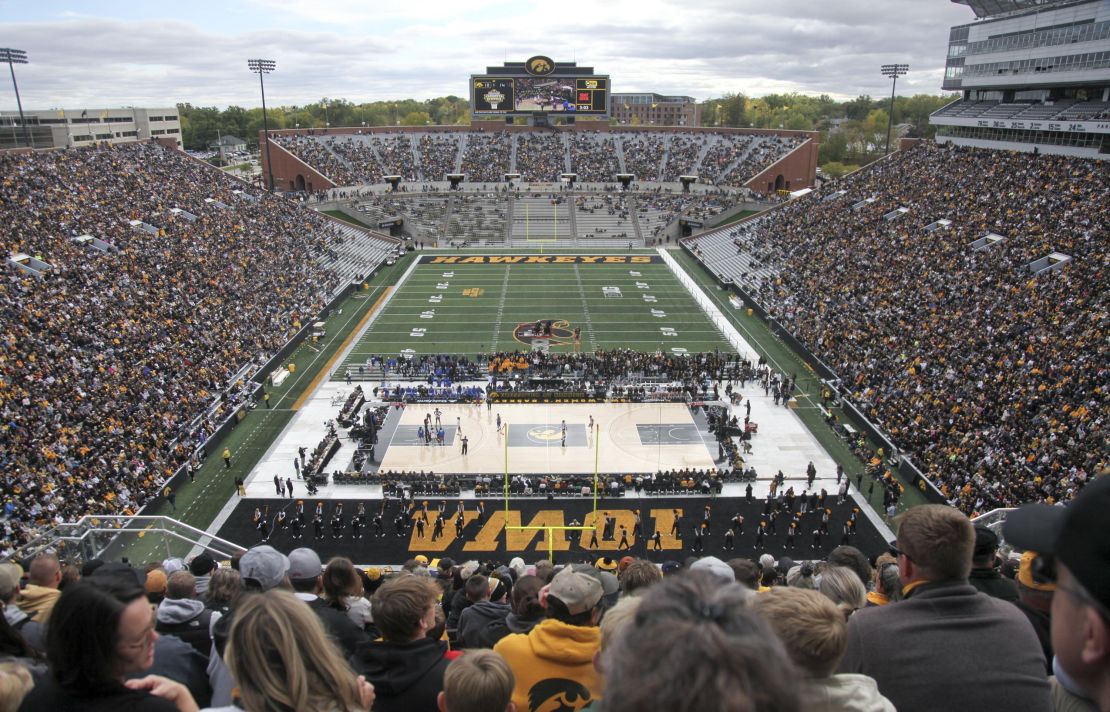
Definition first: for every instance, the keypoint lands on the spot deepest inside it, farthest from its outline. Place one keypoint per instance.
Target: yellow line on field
(325, 371)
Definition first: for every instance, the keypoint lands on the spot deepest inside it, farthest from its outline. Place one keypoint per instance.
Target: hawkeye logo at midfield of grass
(545, 333)
(541, 259)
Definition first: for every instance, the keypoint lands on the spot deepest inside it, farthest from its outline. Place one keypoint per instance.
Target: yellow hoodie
(37, 602)
(553, 663)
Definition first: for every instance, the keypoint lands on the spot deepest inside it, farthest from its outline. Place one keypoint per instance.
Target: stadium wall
(287, 168)
(794, 171)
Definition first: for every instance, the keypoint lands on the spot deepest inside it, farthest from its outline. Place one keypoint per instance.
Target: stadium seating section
(988, 367)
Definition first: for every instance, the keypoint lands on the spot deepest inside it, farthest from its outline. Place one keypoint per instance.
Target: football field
(471, 305)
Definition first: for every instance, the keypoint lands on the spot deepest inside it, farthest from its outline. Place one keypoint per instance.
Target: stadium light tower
(14, 57)
(893, 71)
(260, 67)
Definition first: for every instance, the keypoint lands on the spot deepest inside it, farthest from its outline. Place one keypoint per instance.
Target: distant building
(57, 128)
(228, 144)
(655, 110)
(1034, 74)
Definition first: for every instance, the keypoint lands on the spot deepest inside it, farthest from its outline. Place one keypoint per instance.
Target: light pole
(893, 71)
(14, 57)
(260, 67)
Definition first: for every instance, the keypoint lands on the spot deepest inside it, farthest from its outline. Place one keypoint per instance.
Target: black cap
(1078, 535)
(986, 542)
(202, 564)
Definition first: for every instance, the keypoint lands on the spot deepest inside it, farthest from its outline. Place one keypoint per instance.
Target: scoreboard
(501, 95)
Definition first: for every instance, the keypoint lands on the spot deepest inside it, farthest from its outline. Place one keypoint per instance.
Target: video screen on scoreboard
(498, 95)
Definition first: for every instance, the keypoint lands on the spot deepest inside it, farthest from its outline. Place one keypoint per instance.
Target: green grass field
(475, 308)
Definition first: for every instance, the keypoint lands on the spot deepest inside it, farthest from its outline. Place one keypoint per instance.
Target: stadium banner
(540, 259)
(912, 474)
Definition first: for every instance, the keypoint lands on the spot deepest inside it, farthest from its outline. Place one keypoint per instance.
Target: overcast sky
(105, 54)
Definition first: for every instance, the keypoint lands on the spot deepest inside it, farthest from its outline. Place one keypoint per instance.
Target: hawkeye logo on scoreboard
(539, 66)
(541, 260)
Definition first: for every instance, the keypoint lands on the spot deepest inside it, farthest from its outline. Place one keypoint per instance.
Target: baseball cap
(263, 567)
(716, 567)
(1078, 535)
(173, 565)
(577, 591)
(986, 541)
(670, 567)
(1028, 576)
(373, 573)
(202, 564)
(422, 560)
(304, 563)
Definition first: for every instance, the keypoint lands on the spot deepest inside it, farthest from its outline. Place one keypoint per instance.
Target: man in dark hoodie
(405, 667)
(491, 606)
(525, 613)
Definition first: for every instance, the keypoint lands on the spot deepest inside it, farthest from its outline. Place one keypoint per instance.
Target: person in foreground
(813, 629)
(1077, 537)
(99, 633)
(718, 655)
(946, 645)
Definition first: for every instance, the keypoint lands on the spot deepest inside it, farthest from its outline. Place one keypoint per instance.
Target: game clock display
(496, 95)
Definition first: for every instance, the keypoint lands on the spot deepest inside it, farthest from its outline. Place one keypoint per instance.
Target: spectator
(307, 578)
(488, 609)
(460, 600)
(526, 612)
(888, 583)
(716, 567)
(854, 559)
(815, 635)
(612, 625)
(1078, 537)
(638, 577)
(841, 585)
(966, 650)
(405, 667)
(32, 632)
(480, 681)
(101, 631)
(343, 589)
(746, 572)
(41, 592)
(985, 571)
(801, 576)
(180, 614)
(202, 567)
(155, 586)
(281, 658)
(553, 663)
(718, 654)
(1036, 589)
(223, 587)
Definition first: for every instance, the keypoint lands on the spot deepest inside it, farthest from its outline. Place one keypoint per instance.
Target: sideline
(326, 370)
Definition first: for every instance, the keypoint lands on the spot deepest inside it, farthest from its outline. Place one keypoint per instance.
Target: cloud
(359, 51)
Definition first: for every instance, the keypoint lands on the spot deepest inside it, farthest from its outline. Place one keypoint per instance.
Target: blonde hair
(809, 625)
(843, 588)
(282, 659)
(15, 683)
(478, 681)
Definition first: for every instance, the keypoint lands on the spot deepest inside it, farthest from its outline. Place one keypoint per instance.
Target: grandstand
(968, 273)
(1031, 76)
(733, 159)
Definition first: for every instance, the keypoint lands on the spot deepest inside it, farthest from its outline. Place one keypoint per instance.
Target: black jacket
(340, 627)
(406, 677)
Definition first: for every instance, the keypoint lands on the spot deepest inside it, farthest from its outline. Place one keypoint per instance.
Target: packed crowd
(642, 155)
(994, 379)
(540, 157)
(722, 154)
(438, 153)
(943, 620)
(764, 153)
(107, 361)
(682, 156)
(593, 156)
(486, 157)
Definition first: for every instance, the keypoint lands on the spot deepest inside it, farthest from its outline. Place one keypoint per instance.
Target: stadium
(545, 341)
